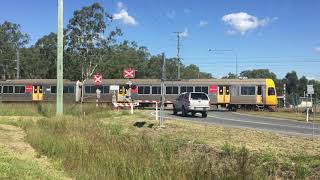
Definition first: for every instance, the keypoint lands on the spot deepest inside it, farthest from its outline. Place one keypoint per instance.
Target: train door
(122, 93)
(259, 95)
(37, 93)
(224, 95)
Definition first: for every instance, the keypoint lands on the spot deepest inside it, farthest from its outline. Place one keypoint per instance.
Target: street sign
(97, 79)
(114, 87)
(129, 73)
(310, 89)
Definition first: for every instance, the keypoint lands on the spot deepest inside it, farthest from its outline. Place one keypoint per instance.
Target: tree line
(91, 46)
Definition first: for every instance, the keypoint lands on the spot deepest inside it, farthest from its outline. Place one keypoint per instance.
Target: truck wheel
(174, 111)
(184, 112)
(204, 114)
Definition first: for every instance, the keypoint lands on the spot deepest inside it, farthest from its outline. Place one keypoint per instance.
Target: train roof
(143, 81)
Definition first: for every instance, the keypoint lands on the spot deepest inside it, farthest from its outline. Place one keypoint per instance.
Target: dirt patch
(12, 142)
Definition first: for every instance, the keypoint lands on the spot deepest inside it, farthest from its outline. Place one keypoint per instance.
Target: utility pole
(18, 63)
(163, 77)
(60, 59)
(178, 52)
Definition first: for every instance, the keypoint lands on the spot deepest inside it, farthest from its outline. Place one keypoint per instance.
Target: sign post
(129, 73)
(310, 92)
(98, 80)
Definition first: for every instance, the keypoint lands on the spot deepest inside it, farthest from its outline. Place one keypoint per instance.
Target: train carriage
(229, 93)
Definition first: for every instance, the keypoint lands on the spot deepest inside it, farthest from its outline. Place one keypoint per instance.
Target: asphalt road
(231, 119)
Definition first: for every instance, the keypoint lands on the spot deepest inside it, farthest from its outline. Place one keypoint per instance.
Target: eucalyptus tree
(88, 37)
(11, 40)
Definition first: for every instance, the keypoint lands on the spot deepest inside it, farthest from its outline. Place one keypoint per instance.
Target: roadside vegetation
(294, 114)
(111, 144)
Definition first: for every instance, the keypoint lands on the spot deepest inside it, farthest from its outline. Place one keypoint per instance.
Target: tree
(258, 73)
(85, 36)
(302, 85)
(292, 82)
(230, 76)
(11, 40)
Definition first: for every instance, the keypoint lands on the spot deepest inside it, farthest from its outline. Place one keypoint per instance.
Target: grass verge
(284, 114)
(110, 144)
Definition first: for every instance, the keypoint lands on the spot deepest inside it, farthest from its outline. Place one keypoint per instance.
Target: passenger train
(228, 93)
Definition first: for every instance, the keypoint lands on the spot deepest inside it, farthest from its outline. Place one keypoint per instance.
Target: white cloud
(123, 15)
(317, 49)
(120, 5)
(171, 14)
(203, 23)
(184, 33)
(243, 22)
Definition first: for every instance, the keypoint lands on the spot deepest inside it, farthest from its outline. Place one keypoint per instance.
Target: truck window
(199, 96)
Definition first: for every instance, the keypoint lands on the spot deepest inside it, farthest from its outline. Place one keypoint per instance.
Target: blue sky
(278, 35)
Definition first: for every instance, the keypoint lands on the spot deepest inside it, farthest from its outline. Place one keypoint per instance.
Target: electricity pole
(178, 54)
(163, 77)
(60, 59)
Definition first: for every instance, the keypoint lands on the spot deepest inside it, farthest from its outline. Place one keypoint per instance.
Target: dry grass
(218, 136)
(284, 114)
(117, 141)
(19, 160)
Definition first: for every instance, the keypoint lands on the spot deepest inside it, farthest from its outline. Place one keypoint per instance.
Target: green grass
(12, 167)
(109, 144)
(45, 109)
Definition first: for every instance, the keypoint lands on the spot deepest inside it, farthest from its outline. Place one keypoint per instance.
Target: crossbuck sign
(129, 73)
(97, 79)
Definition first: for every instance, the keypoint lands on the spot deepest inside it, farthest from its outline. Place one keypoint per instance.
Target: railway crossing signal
(129, 73)
(97, 79)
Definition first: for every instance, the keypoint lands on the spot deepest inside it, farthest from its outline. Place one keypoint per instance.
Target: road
(231, 119)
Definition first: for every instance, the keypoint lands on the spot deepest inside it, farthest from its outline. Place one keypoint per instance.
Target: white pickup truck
(194, 102)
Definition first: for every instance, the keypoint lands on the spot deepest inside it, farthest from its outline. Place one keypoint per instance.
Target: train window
(7, 89)
(220, 90)
(204, 89)
(183, 89)
(19, 89)
(259, 90)
(189, 88)
(251, 90)
(156, 90)
(271, 91)
(90, 89)
(68, 89)
(227, 90)
(186, 89)
(53, 89)
(105, 89)
(172, 90)
(244, 90)
(248, 90)
(144, 90)
(0, 89)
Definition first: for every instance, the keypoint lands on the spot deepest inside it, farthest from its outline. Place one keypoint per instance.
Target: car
(194, 102)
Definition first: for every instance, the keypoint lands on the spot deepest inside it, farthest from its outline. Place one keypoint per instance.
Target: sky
(277, 35)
